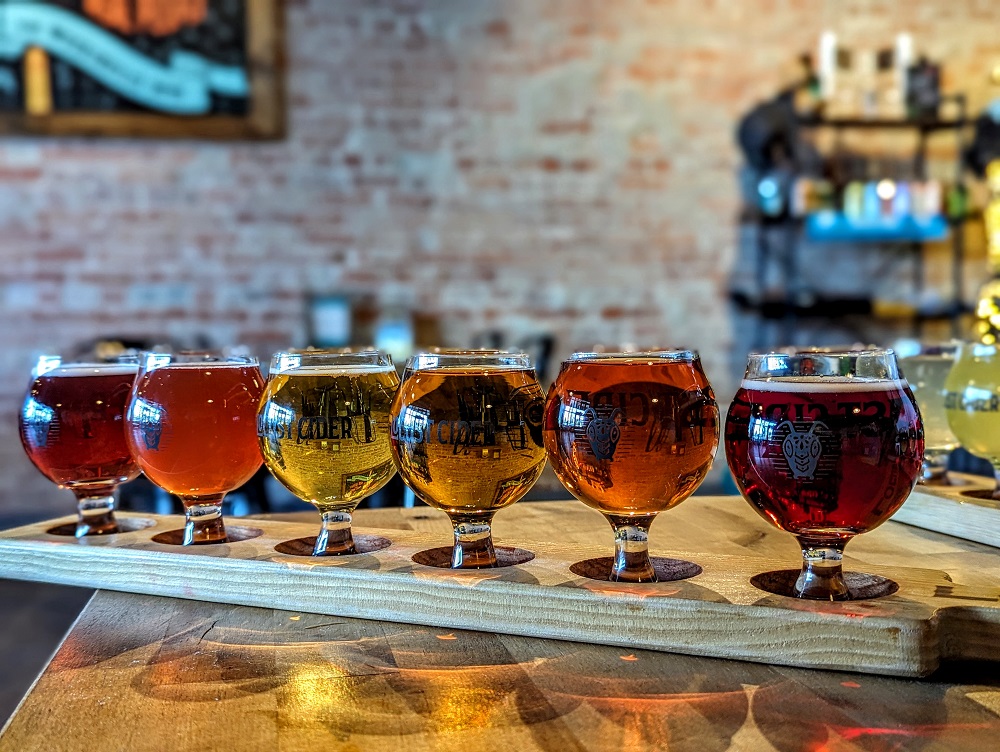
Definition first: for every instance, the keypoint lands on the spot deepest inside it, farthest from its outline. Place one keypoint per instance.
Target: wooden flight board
(964, 510)
(717, 612)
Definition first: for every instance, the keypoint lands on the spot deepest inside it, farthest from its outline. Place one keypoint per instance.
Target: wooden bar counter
(149, 673)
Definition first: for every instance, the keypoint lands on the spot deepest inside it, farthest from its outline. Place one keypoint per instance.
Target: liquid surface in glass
(826, 456)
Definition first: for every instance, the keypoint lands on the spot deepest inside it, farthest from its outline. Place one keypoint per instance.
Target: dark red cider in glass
(827, 458)
(72, 425)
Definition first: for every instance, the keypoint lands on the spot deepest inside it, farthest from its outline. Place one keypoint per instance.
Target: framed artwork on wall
(155, 68)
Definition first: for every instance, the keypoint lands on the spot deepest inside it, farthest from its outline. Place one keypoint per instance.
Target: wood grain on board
(939, 612)
(964, 510)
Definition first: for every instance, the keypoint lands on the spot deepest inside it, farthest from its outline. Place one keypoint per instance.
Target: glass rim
(976, 347)
(153, 359)
(428, 361)
(338, 350)
(47, 364)
(288, 360)
(668, 356)
(834, 352)
(70, 363)
(908, 348)
(436, 350)
(97, 365)
(868, 364)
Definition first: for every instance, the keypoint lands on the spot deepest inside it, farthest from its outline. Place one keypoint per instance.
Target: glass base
(822, 575)
(203, 522)
(473, 547)
(934, 471)
(95, 515)
(335, 537)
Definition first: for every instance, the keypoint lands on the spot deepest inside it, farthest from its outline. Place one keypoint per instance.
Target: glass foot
(473, 543)
(631, 563)
(203, 522)
(822, 575)
(96, 515)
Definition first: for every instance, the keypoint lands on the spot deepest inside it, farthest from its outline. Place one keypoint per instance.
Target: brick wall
(560, 166)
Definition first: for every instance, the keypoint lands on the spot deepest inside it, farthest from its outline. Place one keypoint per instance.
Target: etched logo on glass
(803, 448)
(604, 431)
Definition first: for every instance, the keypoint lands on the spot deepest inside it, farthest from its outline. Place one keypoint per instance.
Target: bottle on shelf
(902, 200)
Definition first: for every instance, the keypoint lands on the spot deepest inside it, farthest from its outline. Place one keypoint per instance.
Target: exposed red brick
(13, 174)
(556, 127)
(498, 28)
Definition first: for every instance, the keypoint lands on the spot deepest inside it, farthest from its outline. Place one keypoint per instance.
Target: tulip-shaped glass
(191, 426)
(72, 428)
(972, 402)
(323, 427)
(825, 445)
(926, 371)
(632, 435)
(467, 439)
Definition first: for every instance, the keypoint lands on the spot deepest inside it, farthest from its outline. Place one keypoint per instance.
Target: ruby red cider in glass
(72, 429)
(827, 458)
(72, 425)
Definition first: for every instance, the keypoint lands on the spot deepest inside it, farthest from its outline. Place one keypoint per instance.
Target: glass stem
(473, 543)
(822, 575)
(935, 469)
(95, 513)
(996, 488)
(632, 562)
(334, 537)
(203, 520)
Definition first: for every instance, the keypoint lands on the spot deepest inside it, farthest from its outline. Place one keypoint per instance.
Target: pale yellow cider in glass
(324, 432)
(926, 375)
(972, 400)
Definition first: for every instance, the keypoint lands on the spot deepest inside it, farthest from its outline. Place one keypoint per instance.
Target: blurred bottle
(824, 195)
(854, 201)
(991, 216)
(931, 199)
(886, 190)
(871, 202)
(902, 204)
(956, 201)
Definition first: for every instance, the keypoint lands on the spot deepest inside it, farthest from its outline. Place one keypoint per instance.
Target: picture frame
(66, 32)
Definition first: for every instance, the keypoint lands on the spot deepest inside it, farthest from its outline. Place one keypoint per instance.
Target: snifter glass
(191, 425)
(323, 426)
(631, 435)
(71, 425)
(825, 445)
(926, 367)
(467, 439)
(972, 402)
